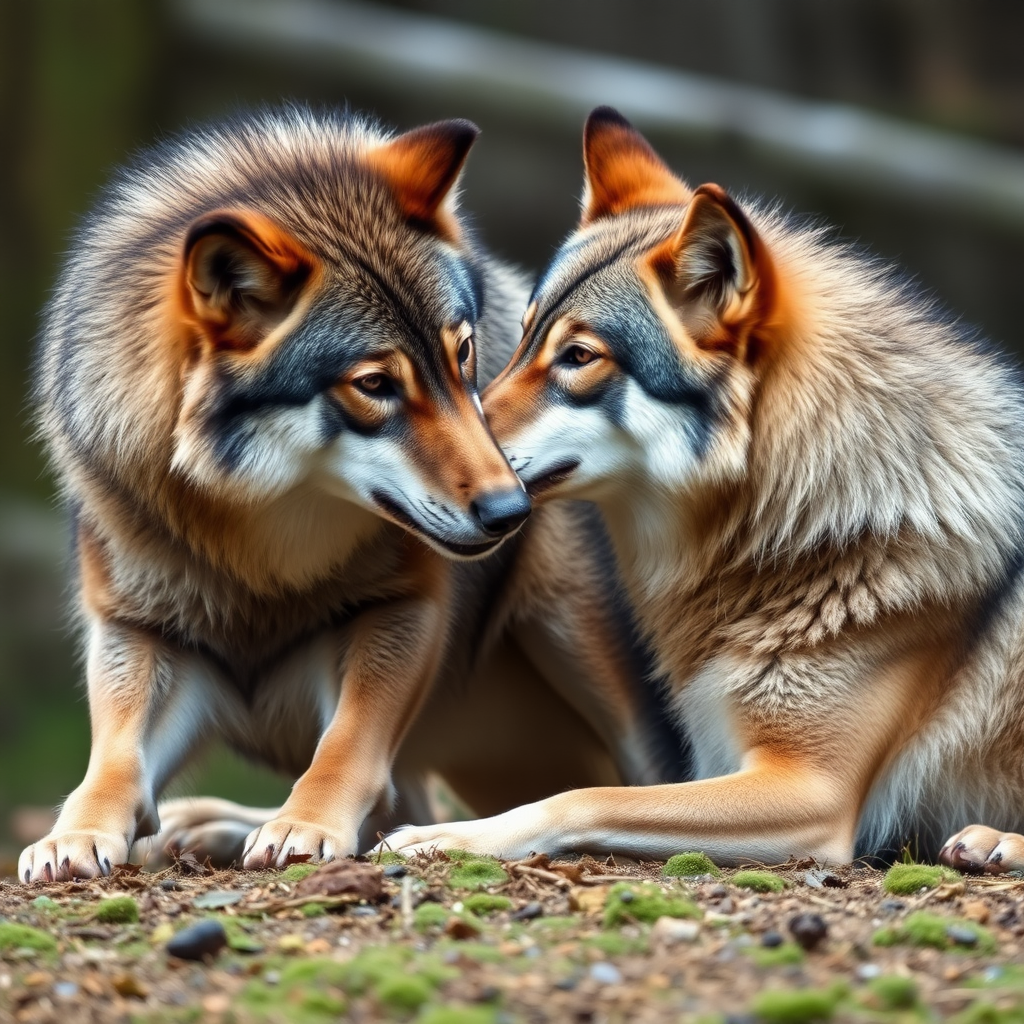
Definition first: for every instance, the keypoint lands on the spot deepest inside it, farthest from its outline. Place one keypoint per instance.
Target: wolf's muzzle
(501, 512)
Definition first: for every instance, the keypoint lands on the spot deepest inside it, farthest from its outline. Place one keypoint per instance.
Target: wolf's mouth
(399, 515)
(554, 476)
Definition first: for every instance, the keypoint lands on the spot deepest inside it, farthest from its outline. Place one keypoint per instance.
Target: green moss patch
(477, 873)
(683, 865)
(798, 1007)
(297, 872)
(485, 903)
(388, 857)
(21, 936)
(312, 910)
(118, 910)
(906, 879)
(429, 915)
(307, 993)
(786, 955)
(759, 881)
(459, 1015)
(986, 1013)
(924, 929)
(407, 992)
(614, 944)
(627, 903)
(893, 992)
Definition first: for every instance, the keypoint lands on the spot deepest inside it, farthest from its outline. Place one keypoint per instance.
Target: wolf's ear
(621, 169)
(241, 275)
(423, 165)
(717, 268)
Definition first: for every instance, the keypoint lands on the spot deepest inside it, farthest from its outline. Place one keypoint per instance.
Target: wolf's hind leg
(205, 826)
(979, 848)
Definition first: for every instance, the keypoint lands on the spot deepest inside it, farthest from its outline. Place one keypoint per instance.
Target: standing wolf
(815, 486)
(258, 382)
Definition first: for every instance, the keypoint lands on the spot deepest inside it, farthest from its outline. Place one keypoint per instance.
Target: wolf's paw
(271, 845)
(978, 848)
(505, 835)
(62, 856)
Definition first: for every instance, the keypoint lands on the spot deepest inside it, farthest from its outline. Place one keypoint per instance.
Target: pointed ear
(423, 165)
(622, 171)
(241, 276)
(717, 272)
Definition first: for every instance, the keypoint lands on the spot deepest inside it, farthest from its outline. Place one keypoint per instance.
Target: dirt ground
(452, 939)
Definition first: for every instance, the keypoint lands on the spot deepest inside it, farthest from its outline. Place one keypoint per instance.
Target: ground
(453, 939)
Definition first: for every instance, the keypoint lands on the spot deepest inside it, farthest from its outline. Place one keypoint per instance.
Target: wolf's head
(635, 365)
(303, 283)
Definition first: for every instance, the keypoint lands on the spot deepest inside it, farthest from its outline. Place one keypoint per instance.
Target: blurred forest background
(901, 121)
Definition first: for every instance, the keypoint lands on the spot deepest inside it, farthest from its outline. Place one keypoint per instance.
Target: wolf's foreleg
(776, 807)
(147, 707)
(391, 661)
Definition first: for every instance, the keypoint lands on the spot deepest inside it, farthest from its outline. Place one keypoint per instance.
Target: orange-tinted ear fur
(241, 275)
(622, 170)
(423, 165)
(717, 268)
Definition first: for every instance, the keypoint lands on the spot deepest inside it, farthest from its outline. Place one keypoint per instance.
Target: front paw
(272, 844)
(62, 856)
(486, 837)
(979, 848)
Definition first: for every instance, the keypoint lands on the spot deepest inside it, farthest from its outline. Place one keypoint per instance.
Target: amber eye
(465, 350)
(377, 385)
(577, 355)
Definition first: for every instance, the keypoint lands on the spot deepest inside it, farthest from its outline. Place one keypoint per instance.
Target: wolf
(258, 381)
(814, 483)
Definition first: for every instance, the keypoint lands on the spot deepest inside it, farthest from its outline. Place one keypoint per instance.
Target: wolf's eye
(465, 349)
(378, 385)
(577, 355)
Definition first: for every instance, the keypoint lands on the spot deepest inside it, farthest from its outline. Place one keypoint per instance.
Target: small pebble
(961, 936)
(272, 978)
(396, 871)
(727, 906)
(605, 973)
(207, 938)
(892, 906)
(528, 913)
(993, 973)
(566, 984)
(670, 930)
(65, 990)
(771, 939)
(716, 892)
(364, 912)
(808, 929)
(626, 897)
(169, 885)
(865, 972)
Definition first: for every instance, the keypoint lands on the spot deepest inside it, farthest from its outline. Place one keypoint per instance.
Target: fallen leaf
(590, 899)
(190, 866)
(573, 872)
(128, 986)
(216, 898)
(345, 877)
(457, 928)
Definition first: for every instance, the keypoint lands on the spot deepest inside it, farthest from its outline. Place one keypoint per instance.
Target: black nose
(500, 512)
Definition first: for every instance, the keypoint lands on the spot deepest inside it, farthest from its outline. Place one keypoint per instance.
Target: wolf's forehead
(596, 265)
